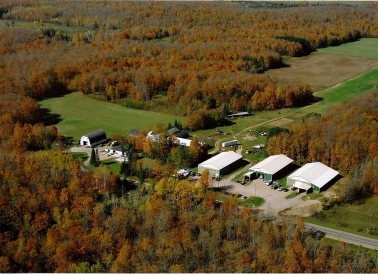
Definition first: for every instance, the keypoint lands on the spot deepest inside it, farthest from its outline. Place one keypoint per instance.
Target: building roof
(317, 174)
(119, 148)
(304, 186)
(173, 130)
(221, 160)
(96, 136)
(184, 142)
(272, 164)
(238, 114)
(182, 134)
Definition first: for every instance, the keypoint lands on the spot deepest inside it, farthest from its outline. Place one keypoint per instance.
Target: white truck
(230, 143)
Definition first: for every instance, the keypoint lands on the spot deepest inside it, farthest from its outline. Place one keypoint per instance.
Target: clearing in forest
(81, 114)
(281, 122)
(323, 70)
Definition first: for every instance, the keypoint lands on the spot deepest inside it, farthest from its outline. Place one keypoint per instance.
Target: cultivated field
(328, 67)
(81, 114)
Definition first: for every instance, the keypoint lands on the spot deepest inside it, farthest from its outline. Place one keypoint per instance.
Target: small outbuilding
(221, 164)
(268, 167)
(238, 114)
(316, 176)
(94, 138)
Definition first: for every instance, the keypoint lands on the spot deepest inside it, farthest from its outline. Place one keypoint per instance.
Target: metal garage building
(223, 163)
(312, 175)
(268, 167)
(94, 138)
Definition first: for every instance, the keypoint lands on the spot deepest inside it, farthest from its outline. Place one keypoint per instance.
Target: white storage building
(223, 163)
(268, 167)
(312, 176)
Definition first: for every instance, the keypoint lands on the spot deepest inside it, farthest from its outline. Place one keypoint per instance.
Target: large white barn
(312, 176)
(94, 138)
(268, 167)
(223, 163)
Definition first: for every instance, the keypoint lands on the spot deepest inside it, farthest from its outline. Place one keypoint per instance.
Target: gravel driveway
(101, 152)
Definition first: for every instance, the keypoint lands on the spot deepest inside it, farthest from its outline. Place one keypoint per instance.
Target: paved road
(346, 237)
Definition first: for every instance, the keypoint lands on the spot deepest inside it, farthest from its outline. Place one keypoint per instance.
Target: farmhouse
(315, 176)
(223, 163)
(268, 167)
(94, 138)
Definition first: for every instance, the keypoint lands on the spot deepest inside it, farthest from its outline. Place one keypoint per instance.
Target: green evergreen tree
(124, 170)
(98, 162)
(92, 160)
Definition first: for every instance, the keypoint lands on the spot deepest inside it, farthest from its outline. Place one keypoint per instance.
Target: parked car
(275, 185)
(268, 183)
(244, 197)
(280, 188)
(285, 189)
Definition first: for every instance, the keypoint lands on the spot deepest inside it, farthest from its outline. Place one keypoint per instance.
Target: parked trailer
(230, 143)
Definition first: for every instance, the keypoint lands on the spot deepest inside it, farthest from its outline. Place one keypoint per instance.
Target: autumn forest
(194, 59)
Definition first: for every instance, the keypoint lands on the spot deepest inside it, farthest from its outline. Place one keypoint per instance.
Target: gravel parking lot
(274, 200)
(101, 152)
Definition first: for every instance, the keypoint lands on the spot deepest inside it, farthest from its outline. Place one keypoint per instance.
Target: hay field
(322, 70)
(81, 114)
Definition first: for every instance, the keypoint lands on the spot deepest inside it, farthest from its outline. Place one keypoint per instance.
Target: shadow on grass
(48, 118)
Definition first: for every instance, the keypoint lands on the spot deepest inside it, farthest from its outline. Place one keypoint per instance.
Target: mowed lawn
(366, 48)
(81, 114)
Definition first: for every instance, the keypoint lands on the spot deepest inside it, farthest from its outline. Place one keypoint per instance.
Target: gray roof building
(94, 138)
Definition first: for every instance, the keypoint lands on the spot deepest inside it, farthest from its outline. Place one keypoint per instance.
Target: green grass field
(81, 114)
(345, 92)
(365, 48)
(351, 218)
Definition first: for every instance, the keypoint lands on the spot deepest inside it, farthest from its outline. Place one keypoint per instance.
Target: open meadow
(331, 66)
(362, 48)
(81, 114)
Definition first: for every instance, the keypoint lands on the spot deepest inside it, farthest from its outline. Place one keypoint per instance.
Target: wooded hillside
(199, 57)
(195, 57)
